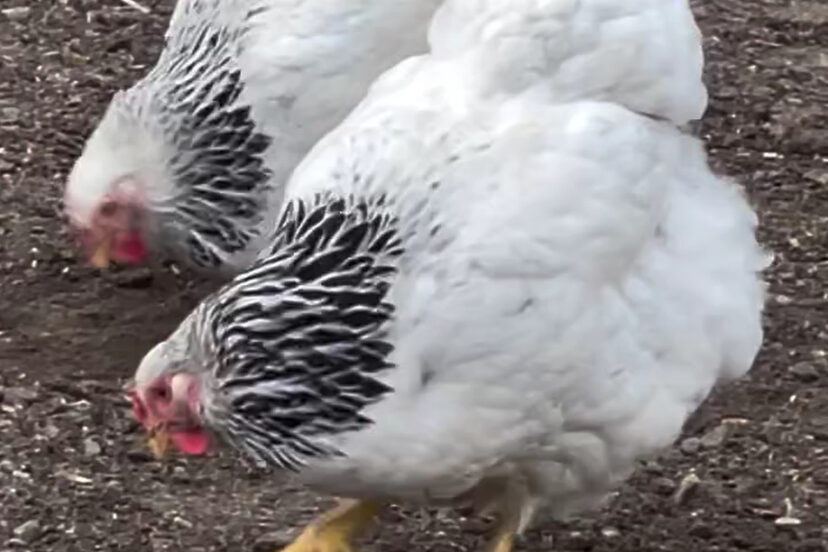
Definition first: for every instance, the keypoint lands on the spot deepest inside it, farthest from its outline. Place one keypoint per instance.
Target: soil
(750, 473)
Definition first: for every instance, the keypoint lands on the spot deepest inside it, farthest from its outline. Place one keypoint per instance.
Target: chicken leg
(334, 530)
(504, 536)
(512, 504)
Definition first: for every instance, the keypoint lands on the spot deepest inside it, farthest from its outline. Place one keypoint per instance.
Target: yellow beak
(100, 259)
(159, 443)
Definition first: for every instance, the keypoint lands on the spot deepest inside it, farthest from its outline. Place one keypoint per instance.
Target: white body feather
(307, 63)
(575, 279)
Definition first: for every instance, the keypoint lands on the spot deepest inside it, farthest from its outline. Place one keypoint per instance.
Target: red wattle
(191, 441)
(131, 249)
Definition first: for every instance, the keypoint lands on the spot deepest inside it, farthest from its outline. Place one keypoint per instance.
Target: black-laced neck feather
(193, 98)
(301, 336)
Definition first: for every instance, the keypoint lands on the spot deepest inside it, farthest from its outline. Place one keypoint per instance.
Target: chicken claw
(503, 542)
(334, 530)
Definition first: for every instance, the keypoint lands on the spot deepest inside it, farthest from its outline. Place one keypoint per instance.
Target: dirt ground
(74, 474)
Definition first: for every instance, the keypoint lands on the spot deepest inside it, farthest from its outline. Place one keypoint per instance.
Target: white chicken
(504, 279)
(190, 163)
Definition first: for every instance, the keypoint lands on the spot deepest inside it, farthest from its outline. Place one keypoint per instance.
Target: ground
(750, 473)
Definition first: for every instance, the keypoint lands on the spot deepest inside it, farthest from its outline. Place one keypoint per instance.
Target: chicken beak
(159, 443)
(100, 258)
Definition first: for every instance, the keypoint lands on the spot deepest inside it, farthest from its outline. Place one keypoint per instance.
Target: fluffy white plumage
(575, 278)
(303, 66)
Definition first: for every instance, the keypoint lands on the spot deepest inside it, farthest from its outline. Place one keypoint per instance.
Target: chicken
(503, 280)
(190, 163)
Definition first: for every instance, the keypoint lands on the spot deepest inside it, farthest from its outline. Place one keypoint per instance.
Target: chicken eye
(109, 208)
(161, 394)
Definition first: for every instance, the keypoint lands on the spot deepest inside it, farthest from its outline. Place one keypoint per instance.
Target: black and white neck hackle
(191, 101)
(301, 336)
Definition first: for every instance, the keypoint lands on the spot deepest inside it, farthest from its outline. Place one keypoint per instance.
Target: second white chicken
(190, 163)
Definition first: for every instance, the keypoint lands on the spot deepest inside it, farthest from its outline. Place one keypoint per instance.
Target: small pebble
(19, 395)
(27, 531)
(18, 13)
(786, 521)
(51, 431)
(701, 531)
(9, 114)
(180, 475)
(715, 437)
(91, 447)
(804, 371)
(178, 520)
(691, 445)
(665, 485)
(689, 485)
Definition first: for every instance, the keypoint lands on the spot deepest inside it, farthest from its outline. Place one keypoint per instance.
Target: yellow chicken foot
(504, 538)
(334, 530)
(502, 542)
(507, 527)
